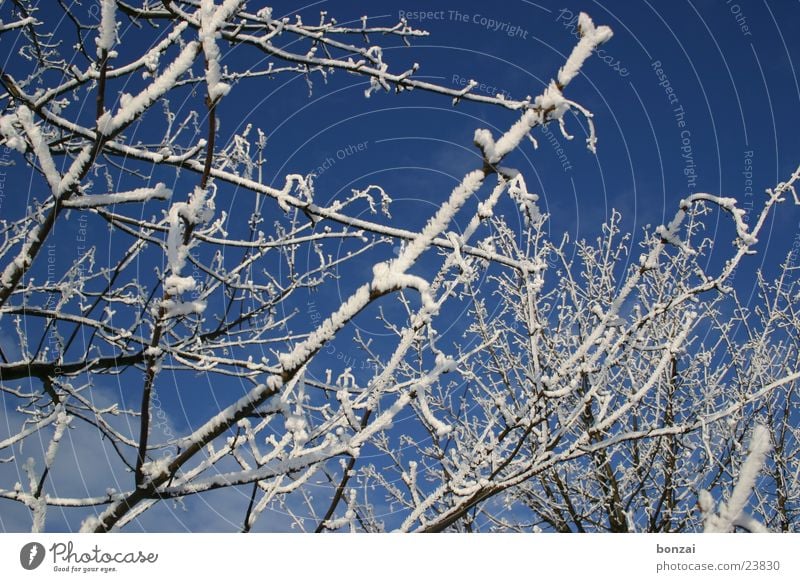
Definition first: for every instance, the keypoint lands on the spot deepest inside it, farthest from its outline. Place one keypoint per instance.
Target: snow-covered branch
(517, 379)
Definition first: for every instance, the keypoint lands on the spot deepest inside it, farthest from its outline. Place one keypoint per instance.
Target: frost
(13, 139)
(157, 468)
(199, 209)
(296, 425)
(107, 124)
(669, 233)
(63, 420)
(438, 223)
(90, 524)
(181, 308)
(298, 356)
(526, 201)
(732, 513)
(41, 149)
(378, 81)
(346, 379)
(493, 151)
(503, 360)
(591, 37)
(107, 31)
(175, 284)
(39, 509)
(158, 192)
(551, 104)
(446, 364)
(212, 17)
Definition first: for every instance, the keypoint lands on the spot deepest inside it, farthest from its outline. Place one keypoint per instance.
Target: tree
(579, 393)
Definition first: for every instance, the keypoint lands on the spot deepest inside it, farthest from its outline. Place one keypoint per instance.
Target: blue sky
(731, 108)
(689, 96)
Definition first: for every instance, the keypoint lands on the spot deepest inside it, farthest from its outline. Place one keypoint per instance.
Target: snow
(732, 513)
(31, 429)
(212, 18)
(445, 364)
(706, 501)
(200, 208)
(406, 379)
(494, 152)
(296, 425)
(90, 524)
(388, 278)
(346, 379)
(39, 508)
(16, 24)
(107, 124)
(13, 139)
(526, 201)
(175, 284)
(591, 38)
(381, 423)
(226, 415)
(440, 427)
(63, 420)
(378, 81)
(759, 448)
(349, 515)
(326, 330)
(343, 396)
(158, 192)
(176, 250)
(76, 168)
(551, 104)
(107, 31)
(180, 308)
(729, 206)
(157, 468)
(392, 275)
(439, 222)
(40, 148)
(669, 233)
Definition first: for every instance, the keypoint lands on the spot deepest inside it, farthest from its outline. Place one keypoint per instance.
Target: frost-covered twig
(731, 513)
(158, 192)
